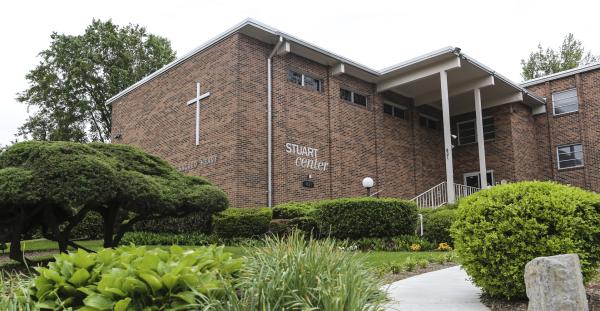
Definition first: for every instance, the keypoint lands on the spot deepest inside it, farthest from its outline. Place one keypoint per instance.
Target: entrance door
(473, 180)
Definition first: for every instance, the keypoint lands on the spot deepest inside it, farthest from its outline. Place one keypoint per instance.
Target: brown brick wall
(403, 157)
(577, 127)
(156, 118)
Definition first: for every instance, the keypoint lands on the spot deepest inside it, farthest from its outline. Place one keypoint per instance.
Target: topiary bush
(242, 222)
(134, 278)
(437, 223)
(366, 217)
(498, 230)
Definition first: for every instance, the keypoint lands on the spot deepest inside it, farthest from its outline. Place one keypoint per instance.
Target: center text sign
(306, 157)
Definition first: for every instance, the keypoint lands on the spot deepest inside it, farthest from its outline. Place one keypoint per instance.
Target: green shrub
(242, 222)
(294, 210)
(499, 230)
(437, 223)
(280, 227)
(134, 278)
(300, 274)
(400, 243)
(192, 223)
(366, 217)
(153, 238)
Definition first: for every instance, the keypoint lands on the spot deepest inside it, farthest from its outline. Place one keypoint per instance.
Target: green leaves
(571, 54)
(134, 276)
(78, 74)
(498, 230)
(366, 217)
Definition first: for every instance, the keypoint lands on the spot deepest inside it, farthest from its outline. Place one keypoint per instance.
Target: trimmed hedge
(437, 223)
(192, 223)
(283, 227)
(366, 217)
(498, 230)
(242, 222)
(294, 210)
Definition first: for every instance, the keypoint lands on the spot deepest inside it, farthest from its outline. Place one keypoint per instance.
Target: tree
(571, 54)
(53, 185)
(78, 74)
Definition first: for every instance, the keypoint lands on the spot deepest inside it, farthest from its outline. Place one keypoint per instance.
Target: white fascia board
(559, 75)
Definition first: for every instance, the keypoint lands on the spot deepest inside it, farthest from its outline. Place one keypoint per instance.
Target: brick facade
(402, 156)
(577, 127)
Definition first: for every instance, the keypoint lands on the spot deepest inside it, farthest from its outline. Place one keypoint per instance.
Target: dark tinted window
(389, 109)
(312, 83)
(570, 156)
(295, 77)
(345, 95)
(360, 99)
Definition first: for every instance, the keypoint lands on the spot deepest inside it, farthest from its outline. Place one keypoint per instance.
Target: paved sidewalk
(447, 289)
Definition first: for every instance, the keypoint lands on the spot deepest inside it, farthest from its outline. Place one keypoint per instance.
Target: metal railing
(437, 195)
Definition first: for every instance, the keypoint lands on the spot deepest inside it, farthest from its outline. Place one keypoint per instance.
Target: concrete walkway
(447, 289)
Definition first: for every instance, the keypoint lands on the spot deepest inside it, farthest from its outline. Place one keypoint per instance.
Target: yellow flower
(415, 247)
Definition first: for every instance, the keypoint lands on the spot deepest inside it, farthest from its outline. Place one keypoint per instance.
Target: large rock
(555, 284)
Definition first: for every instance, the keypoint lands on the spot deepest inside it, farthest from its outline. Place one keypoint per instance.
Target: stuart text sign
(306, 157)
(200, 162)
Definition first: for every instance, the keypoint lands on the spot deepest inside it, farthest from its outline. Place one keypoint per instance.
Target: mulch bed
(391, 278)
(593, 294)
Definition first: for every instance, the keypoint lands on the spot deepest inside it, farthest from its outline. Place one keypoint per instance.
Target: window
(570, 156)
(394, 110)
(467, 133)
(312, 83)
(428, 122)
(346, 95)
(474, 179)
(356, 98)
(304, 80)
(565, 101)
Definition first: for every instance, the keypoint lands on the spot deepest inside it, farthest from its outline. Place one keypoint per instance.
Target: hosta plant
(134, 278)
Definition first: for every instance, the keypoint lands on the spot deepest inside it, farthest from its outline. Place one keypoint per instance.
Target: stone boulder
(555, 284)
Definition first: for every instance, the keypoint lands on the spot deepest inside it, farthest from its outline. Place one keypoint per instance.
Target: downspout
(270, 124)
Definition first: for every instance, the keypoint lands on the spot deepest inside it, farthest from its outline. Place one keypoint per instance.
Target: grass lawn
(40, 249)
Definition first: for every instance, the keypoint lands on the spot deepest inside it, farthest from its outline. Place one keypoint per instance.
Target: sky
(374, 33)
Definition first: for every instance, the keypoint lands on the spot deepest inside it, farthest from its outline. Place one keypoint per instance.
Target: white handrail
(437, 195)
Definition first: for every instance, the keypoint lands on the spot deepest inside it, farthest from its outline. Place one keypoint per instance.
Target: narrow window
(395, 110)
(565, 102)
(467, 131)
(388, 109)
(570, 156)
(359, 99)
(312, 83)
(428, 122)
(304, 80)
(295, 77)
(346, 95)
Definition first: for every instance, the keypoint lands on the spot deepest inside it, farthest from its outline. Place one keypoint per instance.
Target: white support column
(480, 139)
(447, 136)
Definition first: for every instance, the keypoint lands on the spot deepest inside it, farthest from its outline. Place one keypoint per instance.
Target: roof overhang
(414, 78)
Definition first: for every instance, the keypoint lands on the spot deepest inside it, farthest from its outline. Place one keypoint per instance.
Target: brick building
(271, 118)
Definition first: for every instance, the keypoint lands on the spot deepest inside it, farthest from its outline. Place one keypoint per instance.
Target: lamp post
(368, 183)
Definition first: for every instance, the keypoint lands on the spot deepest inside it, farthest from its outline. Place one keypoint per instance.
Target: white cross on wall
(197, 102)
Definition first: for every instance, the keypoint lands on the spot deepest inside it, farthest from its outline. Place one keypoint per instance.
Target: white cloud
(375, 33)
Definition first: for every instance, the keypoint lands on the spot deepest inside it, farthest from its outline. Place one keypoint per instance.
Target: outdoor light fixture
(368, 183)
